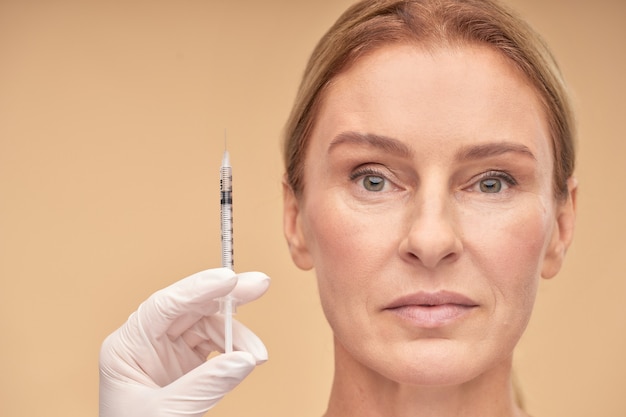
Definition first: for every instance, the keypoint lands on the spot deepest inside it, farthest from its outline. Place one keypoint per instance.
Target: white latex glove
(155, 364)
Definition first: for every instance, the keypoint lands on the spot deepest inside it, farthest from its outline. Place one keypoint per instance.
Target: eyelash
(362, 172)
(506, 177)
(501, 175)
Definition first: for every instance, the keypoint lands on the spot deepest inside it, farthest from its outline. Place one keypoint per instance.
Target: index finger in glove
(185, 301)
(249, 287)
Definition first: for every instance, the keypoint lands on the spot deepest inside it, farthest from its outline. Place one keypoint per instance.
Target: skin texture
(429, 216)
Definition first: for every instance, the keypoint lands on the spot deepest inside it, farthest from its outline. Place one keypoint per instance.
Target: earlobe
(292, 229)
(563, 233)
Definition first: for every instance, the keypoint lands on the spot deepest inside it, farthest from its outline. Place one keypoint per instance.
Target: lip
(432, 309)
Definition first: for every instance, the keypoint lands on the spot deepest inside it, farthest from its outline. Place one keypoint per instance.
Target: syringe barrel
(226, 208)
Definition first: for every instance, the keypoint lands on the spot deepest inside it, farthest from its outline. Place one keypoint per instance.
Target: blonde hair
(370, 24)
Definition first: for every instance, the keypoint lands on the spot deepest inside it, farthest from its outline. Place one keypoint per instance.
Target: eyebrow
(384, 143)
(398, 148)
(489, 150)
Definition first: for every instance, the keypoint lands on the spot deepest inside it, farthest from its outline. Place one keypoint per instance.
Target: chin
(437, 364)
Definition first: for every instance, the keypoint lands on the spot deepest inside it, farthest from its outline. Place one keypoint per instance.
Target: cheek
(347, 248)
(509, 247)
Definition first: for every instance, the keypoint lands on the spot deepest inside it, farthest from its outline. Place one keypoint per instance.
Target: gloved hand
(155, 364)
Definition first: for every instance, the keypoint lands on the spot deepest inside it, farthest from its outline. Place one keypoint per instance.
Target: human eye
(493, 182)
(370, 179)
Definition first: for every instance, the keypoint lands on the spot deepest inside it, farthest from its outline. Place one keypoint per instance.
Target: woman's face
(428, 211)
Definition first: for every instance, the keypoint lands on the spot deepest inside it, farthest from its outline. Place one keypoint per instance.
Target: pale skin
(429, 216)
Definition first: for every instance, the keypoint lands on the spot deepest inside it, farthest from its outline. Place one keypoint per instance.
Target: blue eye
(494, 182)
(373, 183)
(490, 185)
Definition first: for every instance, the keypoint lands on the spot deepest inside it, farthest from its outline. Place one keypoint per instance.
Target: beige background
(112, 116)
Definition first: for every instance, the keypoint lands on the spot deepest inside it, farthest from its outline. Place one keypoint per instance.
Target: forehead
(471, 93)
(400, 81)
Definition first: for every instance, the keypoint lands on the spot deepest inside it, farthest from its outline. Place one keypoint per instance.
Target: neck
(360, 391)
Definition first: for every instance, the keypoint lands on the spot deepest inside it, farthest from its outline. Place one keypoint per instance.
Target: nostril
(431, 242)
(451, 256)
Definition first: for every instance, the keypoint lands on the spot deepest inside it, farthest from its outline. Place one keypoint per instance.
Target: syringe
(226, 209)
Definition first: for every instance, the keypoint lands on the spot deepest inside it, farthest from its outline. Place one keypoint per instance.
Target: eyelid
(503, 175)
(361, 171)
(376, 170)
(508, 179)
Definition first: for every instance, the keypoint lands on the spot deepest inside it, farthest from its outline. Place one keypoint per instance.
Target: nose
(433, 236)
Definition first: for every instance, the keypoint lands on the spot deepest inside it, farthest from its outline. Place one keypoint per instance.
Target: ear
(293, 229)
(563, 232)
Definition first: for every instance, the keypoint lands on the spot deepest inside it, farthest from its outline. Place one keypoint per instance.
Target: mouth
(432, 310)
